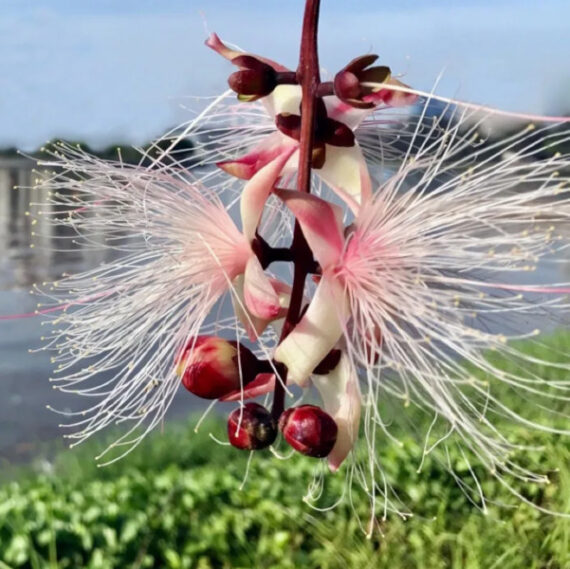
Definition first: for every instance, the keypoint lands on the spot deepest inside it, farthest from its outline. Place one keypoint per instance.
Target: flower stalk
(308, 77)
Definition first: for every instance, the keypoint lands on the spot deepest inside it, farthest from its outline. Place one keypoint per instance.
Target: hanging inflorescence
(405, 235)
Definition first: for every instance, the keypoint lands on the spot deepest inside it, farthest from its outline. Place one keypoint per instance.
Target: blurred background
(111, 73)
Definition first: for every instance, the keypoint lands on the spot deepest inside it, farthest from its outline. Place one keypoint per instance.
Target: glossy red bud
(251, 427)
(309, 430)
(210, 366)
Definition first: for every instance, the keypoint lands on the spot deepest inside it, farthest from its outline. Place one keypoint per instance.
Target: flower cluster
(410, 240)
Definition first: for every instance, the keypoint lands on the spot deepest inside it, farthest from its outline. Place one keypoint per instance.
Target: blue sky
(110, 70)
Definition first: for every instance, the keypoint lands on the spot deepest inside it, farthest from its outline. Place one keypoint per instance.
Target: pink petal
(257, 190)
(316, 333)
(341, 400)
(271, 147)
(321, 223)
(260, 296)
(345, 113)
(215, 43)
(262, 384)
(345, 171)
(253, 325)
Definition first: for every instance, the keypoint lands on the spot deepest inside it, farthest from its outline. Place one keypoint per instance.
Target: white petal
(284, 99)
(316, 333)
(345, 171)
(258, 189)
(341, 400)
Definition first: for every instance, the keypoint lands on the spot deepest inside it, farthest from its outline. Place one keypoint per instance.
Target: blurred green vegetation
(176, 502)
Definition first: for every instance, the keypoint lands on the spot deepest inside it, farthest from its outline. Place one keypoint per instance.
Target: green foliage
(176, 503)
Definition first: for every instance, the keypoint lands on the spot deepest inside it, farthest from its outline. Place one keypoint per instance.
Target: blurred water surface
(25, 422)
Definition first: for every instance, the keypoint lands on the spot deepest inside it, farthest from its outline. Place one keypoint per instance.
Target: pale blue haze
(108, 70)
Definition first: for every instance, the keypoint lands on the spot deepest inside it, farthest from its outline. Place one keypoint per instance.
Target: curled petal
(260, 297)
(257, 190)
(316, 333)
(347, 114)
(283, 99)
(321, 223)
(262, 384)
(215, 43)
(247, 166)
(341, 399)
(253, 325)
(346, 172)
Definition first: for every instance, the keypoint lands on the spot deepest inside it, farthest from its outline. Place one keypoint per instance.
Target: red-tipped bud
(251, 427)
(210, 366)
(309, 430)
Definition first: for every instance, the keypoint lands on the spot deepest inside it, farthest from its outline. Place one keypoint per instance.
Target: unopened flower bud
(251, 427)
(210, 366)
(256, 79)
(309, 430)
(357, 81)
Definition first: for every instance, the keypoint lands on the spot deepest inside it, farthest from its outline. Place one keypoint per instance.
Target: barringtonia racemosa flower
(401, 292)
(423, 285)
(178, 253)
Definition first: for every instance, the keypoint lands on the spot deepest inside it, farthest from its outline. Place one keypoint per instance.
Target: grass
(176, 503)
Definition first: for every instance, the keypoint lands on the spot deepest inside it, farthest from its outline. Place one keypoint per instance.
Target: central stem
(309, 79)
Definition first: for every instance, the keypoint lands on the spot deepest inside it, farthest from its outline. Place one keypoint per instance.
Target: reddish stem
(309, 78)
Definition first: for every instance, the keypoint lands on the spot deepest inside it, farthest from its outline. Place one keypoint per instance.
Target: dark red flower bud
(210, 366)
(251, 427)
(309, 430)
(358, 80)
(346, 85)
(256, 79)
